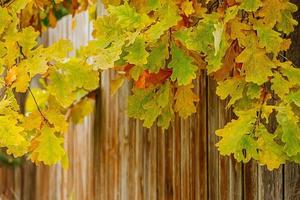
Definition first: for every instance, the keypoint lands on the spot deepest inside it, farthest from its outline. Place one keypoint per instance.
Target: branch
(37, 105)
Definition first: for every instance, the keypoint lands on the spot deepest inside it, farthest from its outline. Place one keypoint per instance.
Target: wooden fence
(115, 158)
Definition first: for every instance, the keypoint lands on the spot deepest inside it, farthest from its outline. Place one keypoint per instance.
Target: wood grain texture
(113, 157)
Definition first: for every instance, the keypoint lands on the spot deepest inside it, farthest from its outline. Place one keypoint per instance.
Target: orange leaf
(148, 79)
(229, 62)
(11, 76)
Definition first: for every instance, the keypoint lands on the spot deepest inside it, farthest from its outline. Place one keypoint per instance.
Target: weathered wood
(201, 139)
(270, 184)
(213, 154)
(251, 181)
(115, 158)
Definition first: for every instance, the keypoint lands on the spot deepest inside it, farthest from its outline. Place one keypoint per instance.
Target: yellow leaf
(82, 109)
(185, 101)
(187, 8)
(11, 76)
(48, 147)
(116, 84)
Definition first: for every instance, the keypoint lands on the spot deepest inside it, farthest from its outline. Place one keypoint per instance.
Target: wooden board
(113, 157)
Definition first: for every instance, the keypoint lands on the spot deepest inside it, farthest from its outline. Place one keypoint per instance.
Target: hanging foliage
(160, 45)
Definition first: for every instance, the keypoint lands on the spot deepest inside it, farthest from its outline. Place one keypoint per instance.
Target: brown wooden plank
(123, 128)
(139, 162)
(270, 184)
(6, 182)
(213, 154)
(170, 172)
(150, 163)
(201, 139)
(292, 182)
(185, 163)
(251, 181)
(152, 176)
(131, 160)
(177, 158)
(161, 165)
(224, 162)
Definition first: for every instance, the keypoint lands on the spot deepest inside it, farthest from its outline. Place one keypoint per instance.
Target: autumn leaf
(184, 71)
(271, 153)
(149, 79)
(49, 149)
(137, 53)
(233, 88)
(256, 64)
(250, 5)
(185, 101)
(236, 138)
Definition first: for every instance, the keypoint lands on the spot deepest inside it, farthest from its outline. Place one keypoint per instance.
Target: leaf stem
(37, 105)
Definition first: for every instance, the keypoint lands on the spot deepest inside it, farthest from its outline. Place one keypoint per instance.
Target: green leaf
(137, 53)
(168, 17)
(292, 73)
(233, 87)
(290, 130)
(127, 17)
(268, 38)
(294, 97)
(166, 117)
(184, 71)
(280, 85)
(250, 5)
(287, 22)
(67, 78)
(148, 104)
(236, 137)
(157, 58)
(256, 64)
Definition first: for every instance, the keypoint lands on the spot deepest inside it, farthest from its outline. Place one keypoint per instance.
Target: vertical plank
(150, 163)
(170, 171)
(213, 154)
(123, 128)
(251, 181)
(177, 157)
(292, 182)
(161, 166)
(139, 188)
(201, 170)
(28, 177)
(224, 162)
(270, 184)
(6, 182)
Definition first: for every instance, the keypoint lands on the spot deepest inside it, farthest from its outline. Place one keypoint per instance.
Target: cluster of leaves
(44, 13)
(161, 45)
(64, 89)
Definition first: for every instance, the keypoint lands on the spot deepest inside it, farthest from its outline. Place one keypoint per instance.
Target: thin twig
(37, 105)
(282, 56)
